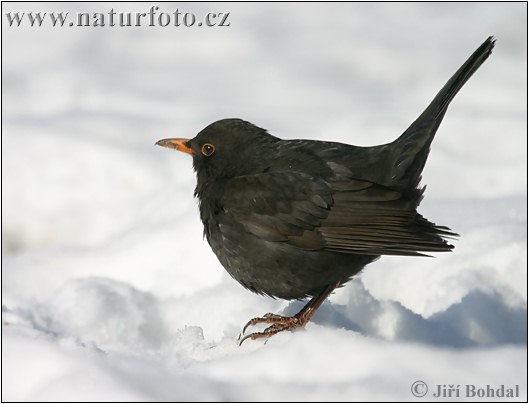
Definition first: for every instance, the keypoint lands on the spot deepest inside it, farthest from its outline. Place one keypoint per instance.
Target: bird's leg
(284, 323)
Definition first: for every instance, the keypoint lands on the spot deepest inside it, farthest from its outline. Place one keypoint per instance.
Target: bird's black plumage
(288, 218)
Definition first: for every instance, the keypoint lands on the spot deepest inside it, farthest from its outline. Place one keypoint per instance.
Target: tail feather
(412, 147)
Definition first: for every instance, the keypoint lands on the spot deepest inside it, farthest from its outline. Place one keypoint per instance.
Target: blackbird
(298, 218)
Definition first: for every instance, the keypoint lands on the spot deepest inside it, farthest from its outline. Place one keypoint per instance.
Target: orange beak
(179, 144)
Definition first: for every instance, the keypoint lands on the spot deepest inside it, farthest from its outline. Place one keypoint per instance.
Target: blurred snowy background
(109, 291)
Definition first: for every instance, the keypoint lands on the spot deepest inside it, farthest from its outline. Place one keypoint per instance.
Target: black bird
(298, 218)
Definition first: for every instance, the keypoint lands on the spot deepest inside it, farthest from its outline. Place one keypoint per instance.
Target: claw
(246, 326)
(245, 338)
(275, 328)
(267, 318)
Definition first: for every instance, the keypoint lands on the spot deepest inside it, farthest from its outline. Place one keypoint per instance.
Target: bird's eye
(208, 149)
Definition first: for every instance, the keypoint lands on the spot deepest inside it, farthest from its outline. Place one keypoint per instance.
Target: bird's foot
(279, 323)
(268, 318)
(283, 323)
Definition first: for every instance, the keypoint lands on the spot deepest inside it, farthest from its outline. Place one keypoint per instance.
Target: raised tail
(411, 149)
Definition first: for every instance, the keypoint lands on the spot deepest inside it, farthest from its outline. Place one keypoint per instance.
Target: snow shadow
(479, 319)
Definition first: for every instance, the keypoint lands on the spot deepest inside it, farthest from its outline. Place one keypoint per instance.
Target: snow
(109, 292)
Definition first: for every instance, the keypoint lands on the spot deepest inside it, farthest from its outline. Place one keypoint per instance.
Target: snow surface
(109, 291)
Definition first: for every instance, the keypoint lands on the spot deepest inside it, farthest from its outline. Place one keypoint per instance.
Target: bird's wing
(342, 215)
(378, 221)
(370, 218)
(280, 207)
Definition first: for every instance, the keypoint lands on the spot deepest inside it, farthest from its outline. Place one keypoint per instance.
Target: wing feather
(313, 214)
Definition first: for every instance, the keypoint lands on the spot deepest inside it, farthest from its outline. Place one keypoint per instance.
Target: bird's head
(225, 149)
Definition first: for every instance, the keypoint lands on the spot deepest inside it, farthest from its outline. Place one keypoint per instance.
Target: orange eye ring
(207, 149)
